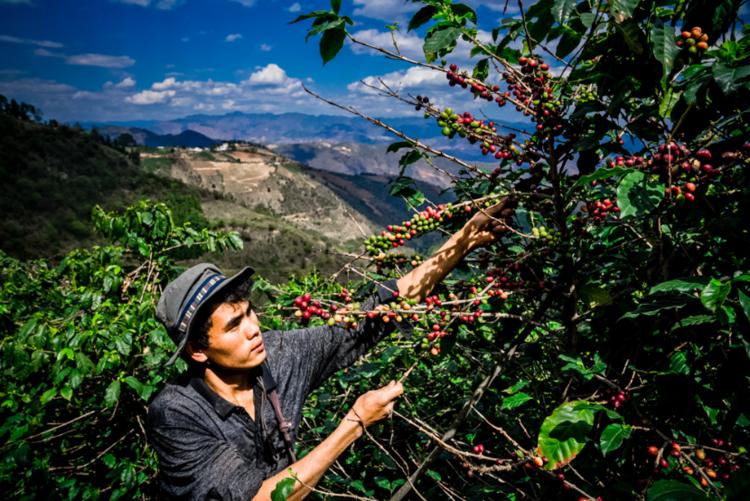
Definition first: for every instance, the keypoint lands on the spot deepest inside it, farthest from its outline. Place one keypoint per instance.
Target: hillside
(269, 199)
(292, 218)
(53, 176)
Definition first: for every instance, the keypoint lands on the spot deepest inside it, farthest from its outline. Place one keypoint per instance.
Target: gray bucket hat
(182, 299)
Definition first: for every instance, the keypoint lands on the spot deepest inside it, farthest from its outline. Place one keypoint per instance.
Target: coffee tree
(599, 350)
(82, 354)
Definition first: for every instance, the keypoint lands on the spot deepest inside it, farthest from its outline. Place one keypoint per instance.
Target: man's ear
(196, 353)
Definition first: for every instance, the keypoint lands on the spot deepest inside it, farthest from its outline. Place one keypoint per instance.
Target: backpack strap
(273, 396)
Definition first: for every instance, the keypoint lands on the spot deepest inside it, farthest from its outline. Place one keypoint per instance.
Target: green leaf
(464, 12)
(109, 459)
(67, 393)
(48, 395)
(673, 490)
(516, 400)
(481, 70)
(316, 13)
(331, 43)
(637, 196)
(727, 78)
(520, 385)
(577, 365)
(671, 98)
(402, 186)
(422, 16)
(112, 393)
(562, 9)
(564, 433)
(621, 10)
(658, 306)
(633, 35)
(603, 173)
(283, 489)
(694, 320)
(587, 18)
(613, 436)
(714, 294)
(383, 483)
(745, 303)
(440, 40)
(409, 158)
(393, 147)
(688, 285)
(434, 475)
(664, 47)
(335, 6)
(678, 364)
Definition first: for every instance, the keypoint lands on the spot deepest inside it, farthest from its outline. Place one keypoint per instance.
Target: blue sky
(110, 60)
(157, 59)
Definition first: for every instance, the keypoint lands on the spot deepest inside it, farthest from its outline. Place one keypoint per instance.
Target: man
(216, 435)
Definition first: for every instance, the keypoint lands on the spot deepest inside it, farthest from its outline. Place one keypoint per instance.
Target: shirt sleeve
(318, 352)
(196, 464)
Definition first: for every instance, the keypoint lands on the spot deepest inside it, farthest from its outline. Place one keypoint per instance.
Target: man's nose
(250, 328)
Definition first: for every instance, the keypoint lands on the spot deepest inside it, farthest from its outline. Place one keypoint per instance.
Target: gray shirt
(210, 448)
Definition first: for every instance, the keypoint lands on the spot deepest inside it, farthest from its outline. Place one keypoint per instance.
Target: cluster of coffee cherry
(551, 235)
(684, 170)
(396, 235)
(618, 398)
(465, 81)
(477, 131)
(716, 465)
(535, 93)
(695, 40)
(598, 211)
(422, 101)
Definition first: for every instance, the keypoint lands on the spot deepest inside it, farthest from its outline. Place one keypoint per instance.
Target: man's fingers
(392, 391)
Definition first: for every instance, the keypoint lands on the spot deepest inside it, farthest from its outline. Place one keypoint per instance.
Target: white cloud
(265, 47)
(414, 77)
(125, 83)
(228, 105)
(246, 3)
(16, 2)
(185, 39)
(295, 7)
(270, 74)
(101, 60)
(150, 97)
(233, 37)
(27, 41)
(47, 53)
(164, 84)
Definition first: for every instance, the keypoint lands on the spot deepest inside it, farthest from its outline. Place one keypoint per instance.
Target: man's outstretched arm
(368, 409)
(478, 231)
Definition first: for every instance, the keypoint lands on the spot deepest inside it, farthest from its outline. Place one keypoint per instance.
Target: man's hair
(234, 294)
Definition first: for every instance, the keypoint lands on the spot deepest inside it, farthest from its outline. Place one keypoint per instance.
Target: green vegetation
(156, 164)
(53, 176)
(600, 349)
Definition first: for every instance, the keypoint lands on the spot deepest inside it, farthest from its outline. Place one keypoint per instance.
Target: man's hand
(376, 404)
(488, 223)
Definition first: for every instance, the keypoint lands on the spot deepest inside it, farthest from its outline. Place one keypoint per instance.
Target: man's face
(234, 339)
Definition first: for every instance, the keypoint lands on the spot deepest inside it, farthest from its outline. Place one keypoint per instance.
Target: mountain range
(341, 144)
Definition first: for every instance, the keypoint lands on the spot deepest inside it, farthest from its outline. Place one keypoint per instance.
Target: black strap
(273, 396)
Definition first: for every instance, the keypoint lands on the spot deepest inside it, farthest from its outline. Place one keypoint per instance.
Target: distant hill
(144, 137)
(291, 128)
